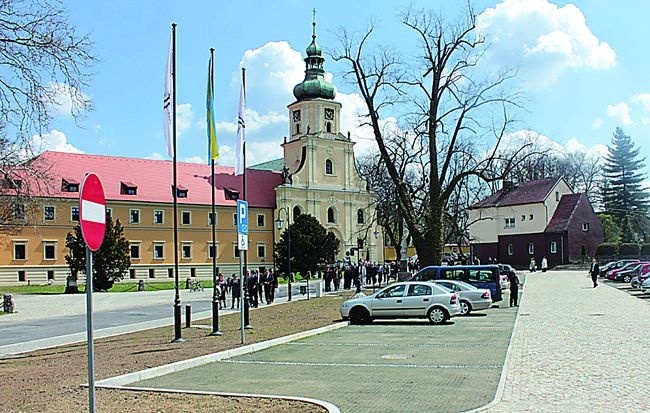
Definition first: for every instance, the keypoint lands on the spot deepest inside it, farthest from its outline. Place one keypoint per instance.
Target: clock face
(329, 114)
(296, 116)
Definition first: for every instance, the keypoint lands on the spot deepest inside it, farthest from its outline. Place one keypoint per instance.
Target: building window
(328, 126)
(158, 216)
(22, 276)
(132, 273)
(48, 213)
(553, 247)
(585, 226)
(531, 248)
(19, 210)
(261, 220)
(510, 223)
(127, 188)
(523, 217)
(211, 250)
(329, 169)
(49, 251)
(192, 272)
(20, 251)
(261, 251)
(109, 212)
(297, 128)
(74, 214)
(134, 216)
(152, 273)
(50, 275)
(296, 212)
(234, 219)
(236, 251)
(186, 218)
(557, 196)
(360, 219)
(159, 251)
(135, 251)
(170, 273)
(510, 250)
(211, 218)
(186, 251)
(330, 216)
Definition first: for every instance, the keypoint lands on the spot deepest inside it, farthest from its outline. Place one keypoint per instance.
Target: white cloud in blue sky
(542, 39)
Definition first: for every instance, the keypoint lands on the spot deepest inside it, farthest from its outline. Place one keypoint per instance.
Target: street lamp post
(279, 224)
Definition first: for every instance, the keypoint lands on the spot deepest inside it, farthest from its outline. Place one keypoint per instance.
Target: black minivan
(481, 276)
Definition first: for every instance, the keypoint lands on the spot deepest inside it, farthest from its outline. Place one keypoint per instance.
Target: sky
(582, 68)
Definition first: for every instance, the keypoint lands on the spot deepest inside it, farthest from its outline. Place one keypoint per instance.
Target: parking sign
(242, 225)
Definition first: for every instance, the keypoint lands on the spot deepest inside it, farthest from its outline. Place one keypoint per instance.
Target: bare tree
(44, 66)
(454, 118)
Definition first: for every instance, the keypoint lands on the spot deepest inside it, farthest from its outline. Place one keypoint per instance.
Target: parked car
(403, 300)
(633, 271)
(615, 267)
(634, 282)
(642, 277)
(611, 274)
(646, 285)
(470, 298)
(606, 267)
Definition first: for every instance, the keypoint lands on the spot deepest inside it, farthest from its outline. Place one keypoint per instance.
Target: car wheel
(627, 279)
(359, 315)
(465, 307)
(437, 315)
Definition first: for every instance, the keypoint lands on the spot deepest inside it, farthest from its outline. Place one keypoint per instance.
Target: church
(316, 176)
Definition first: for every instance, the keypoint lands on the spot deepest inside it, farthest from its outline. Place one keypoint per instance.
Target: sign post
(242, 245)
(92, 219)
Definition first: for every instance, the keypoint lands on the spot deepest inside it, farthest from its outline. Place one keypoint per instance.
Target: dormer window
(181, 192)
(10, 183)
(231, 194)
(69, 185)
(128, 188)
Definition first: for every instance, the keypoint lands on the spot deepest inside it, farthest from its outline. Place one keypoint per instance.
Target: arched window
(360, 216)
(330, 216)
(329, 127)
(296, 212)
(329, 169)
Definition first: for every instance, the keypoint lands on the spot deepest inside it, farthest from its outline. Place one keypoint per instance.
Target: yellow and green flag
(213, 147)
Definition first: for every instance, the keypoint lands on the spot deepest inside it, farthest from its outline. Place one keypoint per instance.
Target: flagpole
(178, 337)
(247, 323)
(215, 297)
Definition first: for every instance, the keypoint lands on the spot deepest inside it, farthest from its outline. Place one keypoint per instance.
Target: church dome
(314, 86)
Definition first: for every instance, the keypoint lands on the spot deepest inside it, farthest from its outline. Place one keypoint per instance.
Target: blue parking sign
(242, 217)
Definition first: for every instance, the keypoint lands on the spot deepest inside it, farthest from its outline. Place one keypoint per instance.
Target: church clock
(329, 114)
(296, 115)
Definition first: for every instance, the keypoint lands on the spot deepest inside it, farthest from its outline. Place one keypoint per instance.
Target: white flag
(168, 100)
(241, 134)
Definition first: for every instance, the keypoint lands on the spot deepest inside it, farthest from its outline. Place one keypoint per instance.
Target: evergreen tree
(110, 263)
(311, 244)
(623, 194)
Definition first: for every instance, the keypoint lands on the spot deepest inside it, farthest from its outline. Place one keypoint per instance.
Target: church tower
(320, 170)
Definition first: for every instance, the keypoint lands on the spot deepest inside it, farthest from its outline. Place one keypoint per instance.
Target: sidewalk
(577, 349)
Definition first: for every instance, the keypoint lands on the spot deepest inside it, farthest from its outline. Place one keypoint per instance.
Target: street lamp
(279, 224)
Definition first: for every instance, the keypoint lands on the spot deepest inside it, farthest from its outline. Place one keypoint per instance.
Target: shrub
(606, 250)
(645, 249)
(631, 249)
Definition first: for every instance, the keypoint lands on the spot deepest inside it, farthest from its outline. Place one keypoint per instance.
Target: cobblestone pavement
(577, 349)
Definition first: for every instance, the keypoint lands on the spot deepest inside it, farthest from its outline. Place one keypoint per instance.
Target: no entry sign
(92, 211)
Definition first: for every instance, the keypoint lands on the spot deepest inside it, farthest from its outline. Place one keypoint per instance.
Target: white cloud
(574, 145)
(643, 99)
(196, 159)
(184, 118)
(52, 141)
(156, 156)
(542, 39)
(63, 99)
(598, 122)
(620, 112)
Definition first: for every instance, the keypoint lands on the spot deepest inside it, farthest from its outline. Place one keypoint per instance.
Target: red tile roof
(522, 193)
(562, 216)
(153, 178)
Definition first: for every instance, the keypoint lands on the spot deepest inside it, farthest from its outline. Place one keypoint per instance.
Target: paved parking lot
(391, 366)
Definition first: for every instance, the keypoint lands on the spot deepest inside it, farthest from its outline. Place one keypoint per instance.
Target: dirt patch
(50, 380)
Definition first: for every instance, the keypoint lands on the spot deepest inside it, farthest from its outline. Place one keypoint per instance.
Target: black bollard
(188, 315)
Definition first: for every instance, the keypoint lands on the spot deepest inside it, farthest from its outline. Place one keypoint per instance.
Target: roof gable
(562, 216)
(522, 193)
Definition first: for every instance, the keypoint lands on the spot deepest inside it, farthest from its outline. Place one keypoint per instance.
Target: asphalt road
(43, 321)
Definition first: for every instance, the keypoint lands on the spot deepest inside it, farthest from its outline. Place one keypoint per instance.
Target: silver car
(413, 299)
(470, 297)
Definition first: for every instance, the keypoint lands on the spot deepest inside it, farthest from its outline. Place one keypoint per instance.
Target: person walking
(594, 271)
(514, 289)
(544, 264)
(533, 265)
(235, 291)
(223, 288)
(267, 282)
